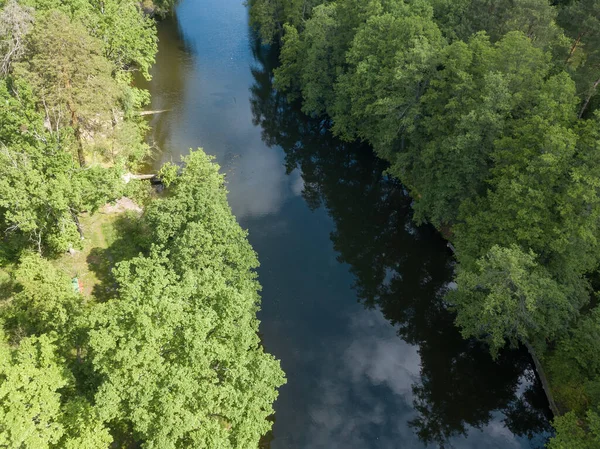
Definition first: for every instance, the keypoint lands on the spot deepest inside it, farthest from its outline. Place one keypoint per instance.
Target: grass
(99, 232)
(107, 241)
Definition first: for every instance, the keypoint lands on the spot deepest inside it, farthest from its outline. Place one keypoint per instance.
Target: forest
(124, 329)
(488, 113)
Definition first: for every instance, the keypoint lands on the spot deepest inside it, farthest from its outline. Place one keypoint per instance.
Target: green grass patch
(109, 239)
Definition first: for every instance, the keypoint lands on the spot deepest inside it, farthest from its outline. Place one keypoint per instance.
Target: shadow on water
(402, 270)
(174, 53)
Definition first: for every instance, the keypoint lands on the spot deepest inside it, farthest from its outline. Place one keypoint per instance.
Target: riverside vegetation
(488, 113)
(163, 350)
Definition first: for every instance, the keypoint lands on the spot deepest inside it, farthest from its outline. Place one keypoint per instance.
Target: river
(352, 290)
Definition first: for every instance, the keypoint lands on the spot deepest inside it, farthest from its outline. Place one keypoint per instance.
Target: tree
(571, 435)
(390, 61)
(42, 188)
(185, 323)
(34, 208)
(534, 18)
(34, 411)
(16, 22)
(43, 302)
(465, 108)
(128, 35)
(543, 191)
(509, 296)
(581, 21)
(269, 16)
(314, 58)
(71, 78)
(30, 377)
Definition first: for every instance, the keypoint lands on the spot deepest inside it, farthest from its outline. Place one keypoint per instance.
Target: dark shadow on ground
(126, 243)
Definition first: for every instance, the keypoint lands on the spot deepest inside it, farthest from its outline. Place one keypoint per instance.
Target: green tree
(534, 18)
(269, 16)
(35, 413)
(71, 78)
(509, 296)
(581, 21)
(34, 208)
(43, 190)
(543, 192)
(313, 56)
(128, 35)
(43, 302)
(185, 323)
(313, 59)
(30, 377)
(571, 435)
(470, 102)
(390, 61)
(83, 427)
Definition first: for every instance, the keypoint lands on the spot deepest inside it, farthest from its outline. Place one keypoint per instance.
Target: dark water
(352, 298)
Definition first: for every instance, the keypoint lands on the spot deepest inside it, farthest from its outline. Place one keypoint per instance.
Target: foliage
(66, 101)
(509, 296)
(269, 15)
(171, 359)
(71, 78)
(31, 376)
(377, 95)
(469, 105)
(43, 189)
(534, 18)
(186, 308)
(16, 22)
(168, 173)
(43, 301)
(33, 411)
(185, 322)
(581, 21)
(571, 435)
(128, 36)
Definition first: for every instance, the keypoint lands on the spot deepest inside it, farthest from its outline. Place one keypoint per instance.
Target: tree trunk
(78, 224)
(589, 97)
(159, 111)
(80, 153)
(77, 130)
(574, 47)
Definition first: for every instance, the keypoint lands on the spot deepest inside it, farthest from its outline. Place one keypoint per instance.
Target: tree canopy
(172, 360)
(185, 323)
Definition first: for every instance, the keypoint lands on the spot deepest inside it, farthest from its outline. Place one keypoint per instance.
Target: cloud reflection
(366, 393)
(256, 181)
(365, 399)
(382, 359)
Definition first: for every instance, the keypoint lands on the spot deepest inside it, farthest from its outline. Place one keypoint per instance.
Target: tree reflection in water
(401, 269)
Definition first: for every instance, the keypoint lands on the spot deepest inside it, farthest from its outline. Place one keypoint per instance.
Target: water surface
(352, 290)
